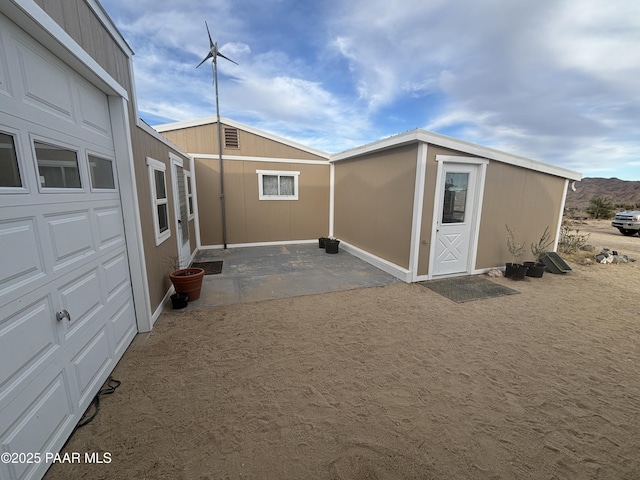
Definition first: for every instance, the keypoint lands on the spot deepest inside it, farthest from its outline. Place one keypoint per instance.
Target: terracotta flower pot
(189, 281)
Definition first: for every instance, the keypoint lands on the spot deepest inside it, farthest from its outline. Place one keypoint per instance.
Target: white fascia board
(232, 123)
(34, 20)
(243, 158)
(459, 145)
(143, 125)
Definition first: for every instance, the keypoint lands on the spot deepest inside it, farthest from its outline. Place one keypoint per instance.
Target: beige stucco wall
(374, 202)
(525, 200)
(250, 220)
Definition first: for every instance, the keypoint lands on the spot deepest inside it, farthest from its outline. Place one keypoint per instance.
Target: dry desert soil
(391, 382)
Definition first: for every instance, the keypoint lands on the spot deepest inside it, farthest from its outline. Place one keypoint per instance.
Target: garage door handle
(62, 314)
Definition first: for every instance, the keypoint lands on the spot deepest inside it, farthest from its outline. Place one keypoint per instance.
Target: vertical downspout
(224, 219)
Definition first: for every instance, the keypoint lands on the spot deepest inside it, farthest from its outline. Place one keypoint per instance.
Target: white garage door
(66, 307)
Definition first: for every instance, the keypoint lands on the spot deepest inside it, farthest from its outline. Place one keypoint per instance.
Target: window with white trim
(9, 169)
(277, 185)
(189, 190)
(159, 202)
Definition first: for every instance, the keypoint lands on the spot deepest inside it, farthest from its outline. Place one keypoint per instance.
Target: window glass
(57, 166)
(455, 197)
(270, 184)
(286, 185)
(101, 173)
(9, 173)
(161, 191)
(163, 220)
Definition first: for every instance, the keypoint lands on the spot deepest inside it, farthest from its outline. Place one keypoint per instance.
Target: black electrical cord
(110, 386)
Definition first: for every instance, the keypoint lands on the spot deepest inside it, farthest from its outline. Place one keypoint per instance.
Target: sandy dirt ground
(392, 382)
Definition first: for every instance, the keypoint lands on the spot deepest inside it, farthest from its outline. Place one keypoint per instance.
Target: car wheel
(626, 232)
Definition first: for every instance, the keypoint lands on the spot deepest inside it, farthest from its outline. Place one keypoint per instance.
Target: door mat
(210, 268)
(465, 289)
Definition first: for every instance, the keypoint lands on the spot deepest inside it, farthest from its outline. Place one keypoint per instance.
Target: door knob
(63, 314)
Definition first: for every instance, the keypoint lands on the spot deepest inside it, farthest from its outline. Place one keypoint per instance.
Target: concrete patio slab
(253, 274)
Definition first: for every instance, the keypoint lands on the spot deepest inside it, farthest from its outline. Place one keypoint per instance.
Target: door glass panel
(455, 197)
(9, 173)
(101, 173)
(57, 166)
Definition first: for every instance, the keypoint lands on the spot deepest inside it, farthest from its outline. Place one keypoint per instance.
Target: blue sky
(556, 81)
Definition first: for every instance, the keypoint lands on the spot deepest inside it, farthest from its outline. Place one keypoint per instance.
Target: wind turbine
(213, 54)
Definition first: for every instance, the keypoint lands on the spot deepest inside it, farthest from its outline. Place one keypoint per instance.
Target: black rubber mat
(465, 289)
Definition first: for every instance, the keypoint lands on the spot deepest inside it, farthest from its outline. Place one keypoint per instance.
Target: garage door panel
(90, 365)
(4, 76)
(82, 299)
(28, 340)
(109, 222)
(70, 235)
(19, 270)
(93, 116)
(37, 420)
(123, 327)
(46, 86)
(116, 274)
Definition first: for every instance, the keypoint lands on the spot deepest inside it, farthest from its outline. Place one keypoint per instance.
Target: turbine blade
(209, 55)
(221, 55)
(208, 33)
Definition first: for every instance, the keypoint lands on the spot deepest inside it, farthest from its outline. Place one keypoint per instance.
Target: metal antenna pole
(222, 203)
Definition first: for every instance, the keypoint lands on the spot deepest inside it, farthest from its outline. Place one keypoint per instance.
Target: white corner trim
(418, 205)
(378, 262)
(332, 198)
(133, 226)
(561, 214)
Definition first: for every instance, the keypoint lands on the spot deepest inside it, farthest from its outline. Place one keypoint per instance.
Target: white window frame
(155, 165)
(189, 190)
(278, 173)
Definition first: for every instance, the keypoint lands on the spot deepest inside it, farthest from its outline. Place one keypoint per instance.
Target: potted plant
(515, 270)
(331, 245)
(185, 281)
(321, 241)
(536, 269)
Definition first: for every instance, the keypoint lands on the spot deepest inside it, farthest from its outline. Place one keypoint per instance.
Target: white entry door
(456, 218)
(181, 210)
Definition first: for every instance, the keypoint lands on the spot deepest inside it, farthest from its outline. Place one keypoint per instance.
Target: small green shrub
(570, 240)
(601, 207)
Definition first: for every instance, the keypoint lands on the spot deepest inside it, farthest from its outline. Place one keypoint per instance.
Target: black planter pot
(331, 245)
(519, 271)
(179, 300)
(535, 270)
(510, 269)
(321, 241)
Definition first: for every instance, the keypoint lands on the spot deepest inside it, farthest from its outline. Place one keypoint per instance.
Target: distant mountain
(624, 193)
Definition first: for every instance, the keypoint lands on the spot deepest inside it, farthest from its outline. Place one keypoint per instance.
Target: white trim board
(243, 158)
(420, 135)
(30, 17)
(256, 244)
(232, 123)
(380, 263)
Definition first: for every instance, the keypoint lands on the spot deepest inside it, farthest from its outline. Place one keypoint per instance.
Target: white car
(627, 222)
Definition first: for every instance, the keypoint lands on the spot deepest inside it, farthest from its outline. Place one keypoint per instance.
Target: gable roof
(420, 135)
(166, 127)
